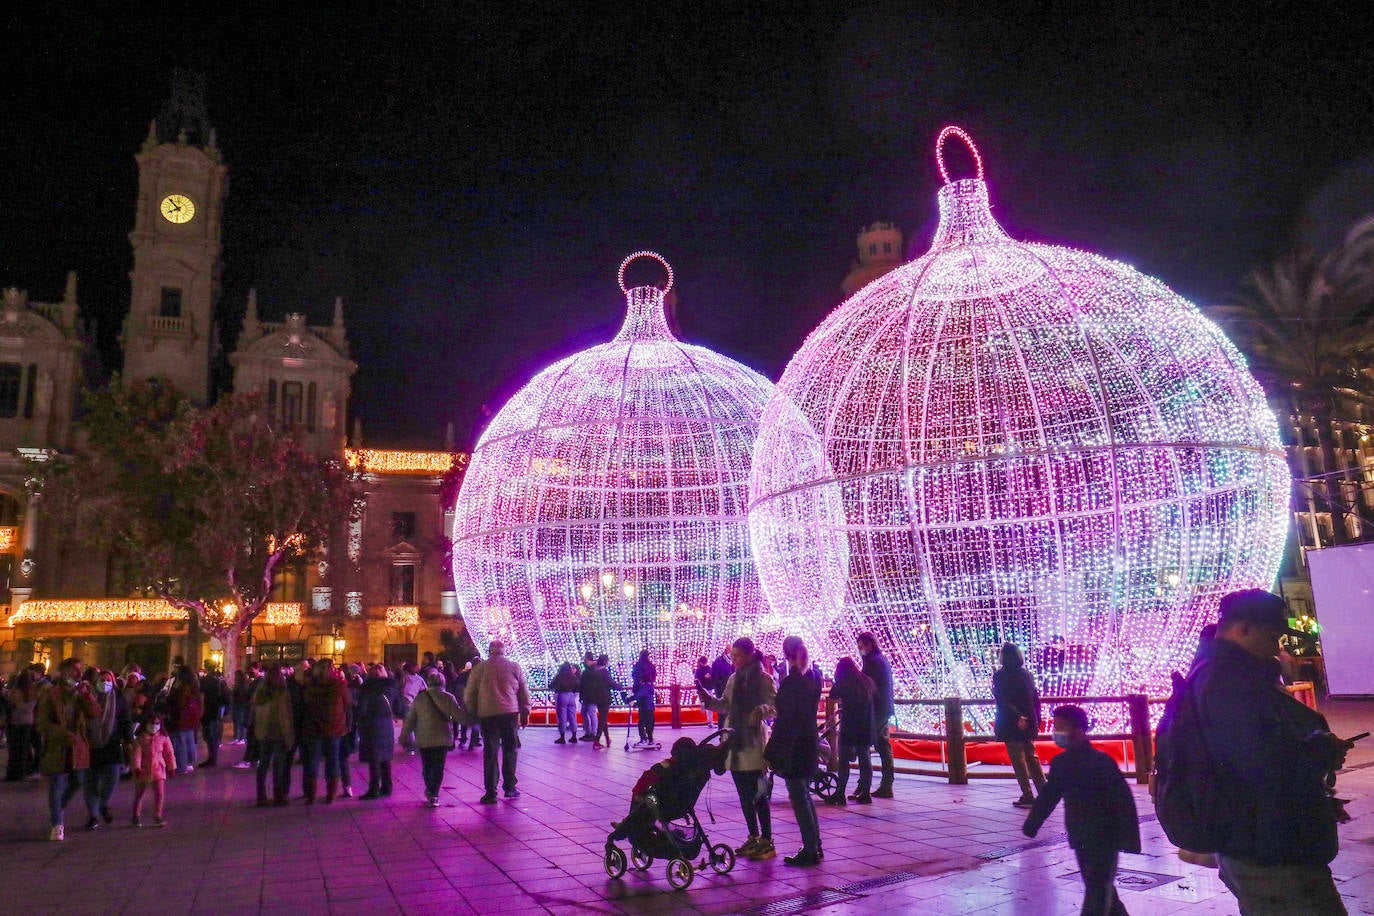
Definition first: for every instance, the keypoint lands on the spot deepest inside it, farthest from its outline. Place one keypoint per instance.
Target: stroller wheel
(722, 859)
(680, 874)
(640, 859)
(825, 784)
(615, 861)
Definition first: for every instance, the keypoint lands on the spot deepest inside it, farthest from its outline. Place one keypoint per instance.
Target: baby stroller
(826, 782)
(663, 823)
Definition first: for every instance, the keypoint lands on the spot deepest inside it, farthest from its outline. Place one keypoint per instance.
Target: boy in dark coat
(1099, 811)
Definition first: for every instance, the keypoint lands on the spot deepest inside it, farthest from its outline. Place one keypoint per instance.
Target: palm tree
(1307, 325)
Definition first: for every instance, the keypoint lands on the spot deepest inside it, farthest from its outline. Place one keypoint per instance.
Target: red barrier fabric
(994, 753)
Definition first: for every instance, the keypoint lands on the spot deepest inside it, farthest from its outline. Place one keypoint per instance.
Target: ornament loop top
(952, 131)
(645, 254)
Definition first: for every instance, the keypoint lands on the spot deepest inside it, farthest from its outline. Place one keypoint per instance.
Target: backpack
(1188, 794)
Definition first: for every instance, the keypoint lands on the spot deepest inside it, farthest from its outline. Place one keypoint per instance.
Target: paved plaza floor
(935, 848)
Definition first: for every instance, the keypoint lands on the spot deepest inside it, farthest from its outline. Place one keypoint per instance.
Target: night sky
(469, 175)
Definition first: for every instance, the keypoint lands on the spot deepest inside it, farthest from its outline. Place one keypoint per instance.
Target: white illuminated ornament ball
(1013, 442)
(604, 508)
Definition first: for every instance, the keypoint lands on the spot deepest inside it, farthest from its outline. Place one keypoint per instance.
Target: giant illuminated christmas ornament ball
(1013, 442)
(604, 508)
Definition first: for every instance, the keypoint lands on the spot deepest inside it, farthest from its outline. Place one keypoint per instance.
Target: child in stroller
(662, 821)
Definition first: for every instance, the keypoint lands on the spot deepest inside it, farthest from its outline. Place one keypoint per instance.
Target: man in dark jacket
(875, 665)
(215, 699)
(1099, 812)
(721, 669)
(588, 690)
(1273, 758)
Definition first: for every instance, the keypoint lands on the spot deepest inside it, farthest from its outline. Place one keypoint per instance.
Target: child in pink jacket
(153, 761)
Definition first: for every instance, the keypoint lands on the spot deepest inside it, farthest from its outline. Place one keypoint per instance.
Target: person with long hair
(1017, 721)
(274, 728)
(185, 706)
(855, 693)
(19, 731)
(377, 731)
(794, 747)
(747, 693)
(109, 731)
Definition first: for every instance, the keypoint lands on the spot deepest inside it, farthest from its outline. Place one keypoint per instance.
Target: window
(11, 380)
(403, 583)
(30, 384)
(280, 651)
(170, 307)
(887, 248)
(310, 408)
(402, 526)
(873, 248)
(272, 401)
(291, 398)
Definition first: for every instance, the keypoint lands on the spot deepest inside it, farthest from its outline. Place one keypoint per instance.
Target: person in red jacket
(185, 705)
(327, 699)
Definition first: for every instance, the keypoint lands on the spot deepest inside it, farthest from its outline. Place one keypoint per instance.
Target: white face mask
(154, 728)
(104, 686)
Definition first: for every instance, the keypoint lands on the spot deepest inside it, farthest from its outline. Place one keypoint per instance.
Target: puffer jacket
(152, 757)
(273, 717)
(430, 717)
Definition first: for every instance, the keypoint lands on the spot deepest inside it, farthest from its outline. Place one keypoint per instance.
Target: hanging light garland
(1012, 442)
(378, 461)
(115, 610)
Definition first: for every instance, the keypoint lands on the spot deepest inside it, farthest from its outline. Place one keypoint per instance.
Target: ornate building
(389, 593)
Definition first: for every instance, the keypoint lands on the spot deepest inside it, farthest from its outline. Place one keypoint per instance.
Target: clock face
(177, 208)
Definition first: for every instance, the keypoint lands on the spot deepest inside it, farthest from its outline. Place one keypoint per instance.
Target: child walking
(1099, 811)
(153, 761)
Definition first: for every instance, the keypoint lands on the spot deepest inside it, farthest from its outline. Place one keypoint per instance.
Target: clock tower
(175, 281)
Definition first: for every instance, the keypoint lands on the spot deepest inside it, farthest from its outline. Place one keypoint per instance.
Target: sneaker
(803, 858)
(748, 847)
(433, 801)
(136, 821)
(189, 768)
(1025, 801)
(864, 799)
(597, 744)
(346, 792)
(883, 792)
(57, 834)
(159, 822)
(244, 765)
(512, 793)
(573, 740)
(561, 741)
(93, 824)
(763, 849)
(838, 801)
(488, 799)
(106, 814)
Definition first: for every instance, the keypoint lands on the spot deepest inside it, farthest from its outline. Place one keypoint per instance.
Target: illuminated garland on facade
(112, 610)
(608, 494)
(281, 614)
(402, 616)
(1012, 442)
(378, 461)
(9, 538)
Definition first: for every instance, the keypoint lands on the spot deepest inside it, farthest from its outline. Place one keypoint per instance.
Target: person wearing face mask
(152, 761)
(110, 730)
(63, 712)
(1099, 811)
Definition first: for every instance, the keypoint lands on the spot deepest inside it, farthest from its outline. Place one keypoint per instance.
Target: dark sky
(468, 175)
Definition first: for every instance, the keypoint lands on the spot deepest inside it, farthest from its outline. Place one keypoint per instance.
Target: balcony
(178, 325)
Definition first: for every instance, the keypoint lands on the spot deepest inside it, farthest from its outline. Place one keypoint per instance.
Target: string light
(1012, 442)
(402, 616)
(607, 492)
(282, 614)
(113, 610)
(378, 461)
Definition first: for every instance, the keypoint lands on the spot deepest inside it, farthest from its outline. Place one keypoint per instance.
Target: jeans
(883, 745)
(314, 749)
(62, 787)
(646, 717)
(500, 734)
(274, 757)
(432, 768)
(590, 720)
(184, 746)
(757, 815)
(566, 704)
(213, 731)
(1098, 870)
(1026, 764)
(804, 809)
(240, 722)
(1273, 890)
(865, 755)
(99, 789)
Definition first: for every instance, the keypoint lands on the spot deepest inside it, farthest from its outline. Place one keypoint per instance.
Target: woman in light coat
(429, 725)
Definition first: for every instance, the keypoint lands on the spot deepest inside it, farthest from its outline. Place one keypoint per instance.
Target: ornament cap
(620, 276)
(644, 305)
(961, 134)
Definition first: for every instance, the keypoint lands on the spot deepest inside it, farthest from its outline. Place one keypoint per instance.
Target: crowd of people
(1270, 827)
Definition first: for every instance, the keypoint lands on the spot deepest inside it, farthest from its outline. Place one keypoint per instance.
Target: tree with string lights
(200, 506)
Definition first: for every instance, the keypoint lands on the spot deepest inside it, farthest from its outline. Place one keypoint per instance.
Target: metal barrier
(955, 740)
